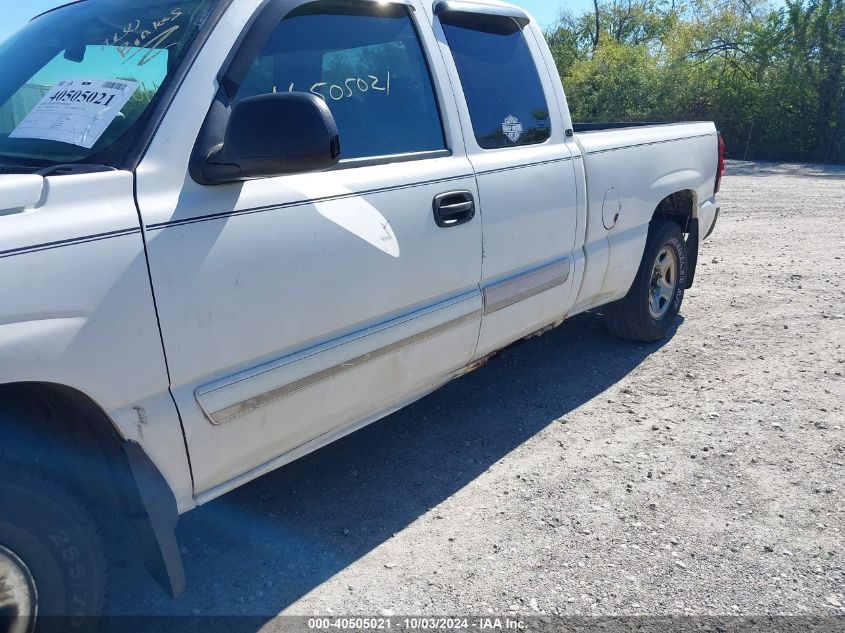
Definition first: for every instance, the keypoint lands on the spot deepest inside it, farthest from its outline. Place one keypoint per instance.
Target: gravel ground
(577, 474)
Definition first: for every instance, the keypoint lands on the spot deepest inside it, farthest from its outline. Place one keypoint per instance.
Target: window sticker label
(77, 112)
(512, 128)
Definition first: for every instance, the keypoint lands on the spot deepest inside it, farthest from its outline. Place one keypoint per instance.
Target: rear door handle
(453, 209)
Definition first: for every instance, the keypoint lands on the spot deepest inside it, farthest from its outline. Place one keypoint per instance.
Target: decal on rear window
(513, 129)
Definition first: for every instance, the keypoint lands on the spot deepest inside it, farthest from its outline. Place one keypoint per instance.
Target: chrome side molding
(247, 406)
(503, 294)
(496, 296)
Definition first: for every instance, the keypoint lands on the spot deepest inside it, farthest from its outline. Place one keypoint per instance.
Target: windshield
(77, 84)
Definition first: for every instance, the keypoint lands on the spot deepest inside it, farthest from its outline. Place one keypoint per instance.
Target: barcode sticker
(77, 112)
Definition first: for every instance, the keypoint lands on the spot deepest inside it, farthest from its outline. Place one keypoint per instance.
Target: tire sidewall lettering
(70, 557)
(680, 250)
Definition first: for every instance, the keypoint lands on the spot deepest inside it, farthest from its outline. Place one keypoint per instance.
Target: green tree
(772, 79)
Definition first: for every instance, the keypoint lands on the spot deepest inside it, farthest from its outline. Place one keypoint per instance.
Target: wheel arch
(681, 208)
(70, 438)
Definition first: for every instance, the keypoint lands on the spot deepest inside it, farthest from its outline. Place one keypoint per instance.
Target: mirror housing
(19, 191)
(274, 135)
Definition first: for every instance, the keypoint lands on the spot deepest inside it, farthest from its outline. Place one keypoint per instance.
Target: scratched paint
(142, 420)
(356, 215)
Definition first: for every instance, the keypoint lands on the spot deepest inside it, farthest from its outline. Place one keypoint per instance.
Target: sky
(17, 13)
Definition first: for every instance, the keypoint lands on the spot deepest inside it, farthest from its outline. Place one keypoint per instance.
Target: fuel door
(611, 209)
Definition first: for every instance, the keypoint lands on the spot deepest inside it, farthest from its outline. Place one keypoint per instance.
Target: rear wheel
(651, 307)
(52, 564)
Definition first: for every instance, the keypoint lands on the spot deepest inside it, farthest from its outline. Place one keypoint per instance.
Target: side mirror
(18, 191)
(273, 135)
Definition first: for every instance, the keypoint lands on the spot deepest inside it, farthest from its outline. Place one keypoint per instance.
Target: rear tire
(52, 561)
(649, 311)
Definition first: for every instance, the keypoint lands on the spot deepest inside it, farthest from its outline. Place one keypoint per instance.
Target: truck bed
(630, 169)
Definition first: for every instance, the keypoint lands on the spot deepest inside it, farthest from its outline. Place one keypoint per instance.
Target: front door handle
(453, 209)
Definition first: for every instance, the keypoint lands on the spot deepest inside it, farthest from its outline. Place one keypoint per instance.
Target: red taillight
(720, 171)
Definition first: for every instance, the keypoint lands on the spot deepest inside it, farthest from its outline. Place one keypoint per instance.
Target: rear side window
(365, 60)
(500, 80)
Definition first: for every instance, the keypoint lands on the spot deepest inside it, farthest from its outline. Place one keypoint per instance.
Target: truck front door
(295, 307)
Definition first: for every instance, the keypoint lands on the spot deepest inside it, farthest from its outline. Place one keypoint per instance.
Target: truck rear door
(515, 133)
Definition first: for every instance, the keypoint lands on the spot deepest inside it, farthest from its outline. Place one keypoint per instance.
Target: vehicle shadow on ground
(259, 549)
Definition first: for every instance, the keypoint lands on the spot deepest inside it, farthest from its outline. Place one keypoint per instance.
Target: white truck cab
(233, 231)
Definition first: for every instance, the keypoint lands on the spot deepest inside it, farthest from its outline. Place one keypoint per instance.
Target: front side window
(366, 62)
(77, 83)
(503, 90)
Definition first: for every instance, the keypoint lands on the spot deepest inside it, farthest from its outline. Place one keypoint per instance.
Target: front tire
(649, 311)
(52, 561)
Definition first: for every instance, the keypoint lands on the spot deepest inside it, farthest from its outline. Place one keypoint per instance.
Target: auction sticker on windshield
(77, 112)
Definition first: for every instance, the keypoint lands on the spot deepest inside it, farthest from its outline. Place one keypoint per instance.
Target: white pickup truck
(233, 231)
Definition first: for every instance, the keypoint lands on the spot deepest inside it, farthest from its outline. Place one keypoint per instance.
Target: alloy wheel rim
(18, 595)
(664, 282)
